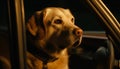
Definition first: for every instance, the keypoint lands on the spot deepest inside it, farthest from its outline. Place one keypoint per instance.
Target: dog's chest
(35, 63)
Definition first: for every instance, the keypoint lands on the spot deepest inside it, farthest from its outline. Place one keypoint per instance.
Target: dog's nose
(78, 32)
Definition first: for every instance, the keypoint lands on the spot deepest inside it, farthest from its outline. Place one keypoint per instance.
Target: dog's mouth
(77, 42)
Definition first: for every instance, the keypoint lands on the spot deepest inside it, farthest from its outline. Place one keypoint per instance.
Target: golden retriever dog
(50, 33)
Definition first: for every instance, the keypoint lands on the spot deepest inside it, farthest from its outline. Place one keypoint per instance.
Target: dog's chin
(75, 44)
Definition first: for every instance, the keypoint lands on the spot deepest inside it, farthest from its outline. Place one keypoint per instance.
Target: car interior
(100, 47)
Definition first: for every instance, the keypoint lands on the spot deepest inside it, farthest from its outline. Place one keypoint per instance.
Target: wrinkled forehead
(65, 12)
(60, 12)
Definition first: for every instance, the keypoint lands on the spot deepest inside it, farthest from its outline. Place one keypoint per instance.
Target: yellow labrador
(51, 32)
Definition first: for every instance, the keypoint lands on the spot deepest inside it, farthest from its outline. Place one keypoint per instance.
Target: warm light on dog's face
(53, 30)
(59, 30)
(57, 20)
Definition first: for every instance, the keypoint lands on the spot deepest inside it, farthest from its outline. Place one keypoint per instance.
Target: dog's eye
(72, 19)
(58, 21)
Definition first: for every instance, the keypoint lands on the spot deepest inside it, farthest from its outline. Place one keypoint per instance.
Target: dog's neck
(42, 55)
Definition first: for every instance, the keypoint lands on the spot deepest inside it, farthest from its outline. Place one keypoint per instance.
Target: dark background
(83, 15)
(84, 18)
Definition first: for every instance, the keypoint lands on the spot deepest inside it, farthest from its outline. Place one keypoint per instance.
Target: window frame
(17, 34)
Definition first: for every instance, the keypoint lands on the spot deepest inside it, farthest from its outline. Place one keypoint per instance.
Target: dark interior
(93, 53)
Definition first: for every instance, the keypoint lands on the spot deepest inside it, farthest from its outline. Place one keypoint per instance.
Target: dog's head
(53, 29)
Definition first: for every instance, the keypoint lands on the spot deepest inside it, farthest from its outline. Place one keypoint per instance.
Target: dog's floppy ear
(31, 26)
(34, 21)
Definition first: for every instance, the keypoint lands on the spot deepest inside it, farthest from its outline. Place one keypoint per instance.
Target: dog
(50, 33)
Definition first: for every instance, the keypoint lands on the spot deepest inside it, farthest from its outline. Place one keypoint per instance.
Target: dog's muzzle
(78, 33)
